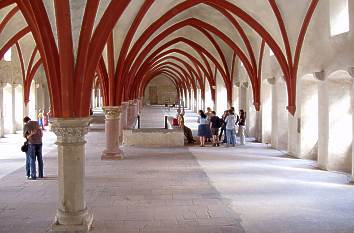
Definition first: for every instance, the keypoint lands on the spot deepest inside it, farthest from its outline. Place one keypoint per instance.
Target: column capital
(271, 81)
(14, 85)
(112, 112)
(70, 130)
(3, 84)
(132, 103)
(245, 84)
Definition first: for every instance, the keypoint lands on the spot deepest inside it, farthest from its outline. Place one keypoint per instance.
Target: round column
(72, 214)
(2, 132)
(112, 127)
(123, 121)
(124, 117)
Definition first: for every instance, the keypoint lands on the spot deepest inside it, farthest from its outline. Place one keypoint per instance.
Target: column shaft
(112, 130)
(2, 131)
(13, 109)
(72, 214)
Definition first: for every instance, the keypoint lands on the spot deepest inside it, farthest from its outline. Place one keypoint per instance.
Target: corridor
(253, 189)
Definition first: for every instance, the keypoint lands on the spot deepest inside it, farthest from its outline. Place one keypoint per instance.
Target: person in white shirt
(230, 128)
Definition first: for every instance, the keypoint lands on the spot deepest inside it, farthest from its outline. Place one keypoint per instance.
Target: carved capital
(3, 84)
(245, 84)
(271, 80)
(70, 130)
(112, 112)
(132, 103)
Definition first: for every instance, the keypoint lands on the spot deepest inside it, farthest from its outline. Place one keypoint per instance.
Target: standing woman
(242, 127)
(203, 128)
(230, 128)
(223, 126)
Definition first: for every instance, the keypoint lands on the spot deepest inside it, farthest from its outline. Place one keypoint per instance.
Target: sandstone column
(2, 85)
(323, 121)
(351, 72)
(112, 129)
(131, 113)
(13, 101)
(136, 108)
(72, 214)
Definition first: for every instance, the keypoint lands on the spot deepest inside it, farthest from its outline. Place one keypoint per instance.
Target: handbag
(24, 147)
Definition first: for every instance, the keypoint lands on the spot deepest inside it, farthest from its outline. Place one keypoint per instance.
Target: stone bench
(153, 137)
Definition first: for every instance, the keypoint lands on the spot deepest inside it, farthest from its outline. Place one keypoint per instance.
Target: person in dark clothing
(215, 124)
(33, 133)
(242, 127)
(223, 127)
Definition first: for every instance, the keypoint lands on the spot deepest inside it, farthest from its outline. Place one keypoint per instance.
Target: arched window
(7, 55)
(339, 16)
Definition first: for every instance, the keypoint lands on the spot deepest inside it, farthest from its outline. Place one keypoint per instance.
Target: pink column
(112, 128)
(123, 121)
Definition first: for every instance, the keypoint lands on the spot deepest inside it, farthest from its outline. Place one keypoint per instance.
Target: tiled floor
(251, 189)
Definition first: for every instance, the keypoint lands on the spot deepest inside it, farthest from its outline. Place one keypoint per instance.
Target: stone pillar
(112, 125)
(131, 113)
(2, 125)
(25, 109)
(274, 136)
(259, 126)
(13, 109)
(136, 108)
(72, 214)
(351, 72)
(124, 115)
(323, 121)
(123, 121)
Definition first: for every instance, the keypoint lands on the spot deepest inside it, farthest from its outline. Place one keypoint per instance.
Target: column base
(84, 227)
(106, 155)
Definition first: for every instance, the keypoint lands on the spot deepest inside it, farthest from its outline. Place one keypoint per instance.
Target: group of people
(210, 123)
(44, 117)
(33, 133)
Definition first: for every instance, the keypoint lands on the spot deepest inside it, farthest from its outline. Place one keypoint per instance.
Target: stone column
(112, 125)
(124, 117)
(122, 121)
(72, 214)
(259, 126)
(131, 113)
(136, 108)
(351, 72)
(323, 121)
(13, 101)
(2, 85)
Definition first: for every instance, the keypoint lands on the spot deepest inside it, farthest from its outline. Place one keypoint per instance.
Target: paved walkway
(251, 189)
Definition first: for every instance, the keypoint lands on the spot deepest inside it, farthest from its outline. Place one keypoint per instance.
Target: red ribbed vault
(70, 76)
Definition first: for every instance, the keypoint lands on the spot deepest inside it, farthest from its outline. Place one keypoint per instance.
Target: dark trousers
(223, 130)
(28, 165)
(35, 151)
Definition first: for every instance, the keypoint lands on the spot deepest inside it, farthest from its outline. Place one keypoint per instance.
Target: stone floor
(251, 189)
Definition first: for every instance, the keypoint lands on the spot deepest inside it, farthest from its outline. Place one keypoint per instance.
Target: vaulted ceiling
(130, 42)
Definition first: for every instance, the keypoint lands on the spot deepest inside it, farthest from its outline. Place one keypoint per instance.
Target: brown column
(112, 129)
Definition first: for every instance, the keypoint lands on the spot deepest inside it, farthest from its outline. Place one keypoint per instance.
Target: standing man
(215, 124)
(33, 133)
(242, 127)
